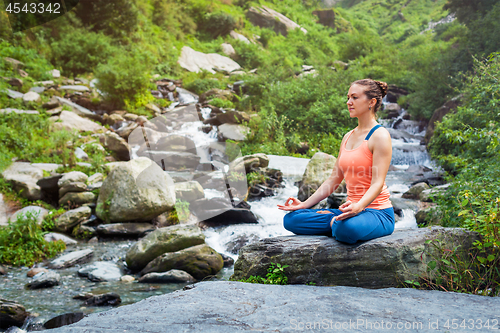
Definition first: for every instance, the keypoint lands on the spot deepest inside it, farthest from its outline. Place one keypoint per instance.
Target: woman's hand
(292, 204)
(349, 209)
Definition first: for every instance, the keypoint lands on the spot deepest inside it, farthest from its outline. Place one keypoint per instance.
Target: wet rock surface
(235, 307)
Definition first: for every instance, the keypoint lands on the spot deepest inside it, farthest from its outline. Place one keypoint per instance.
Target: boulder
(14, 94)
(3, 270)
(324, 261)
(95, 178)
(4, 215)
(72, 177)
(34, 271)
(233, 132)
(75, 199)
(49, 184)
(317, 171)
(128, 230)
(228, 117)
(239, 37)
(107, 299)
(44, 280)
(189, 191)
(124, 132)
(200, 261)
(223, 306)
(75, 87)
(137, 190)
(173, 160)
(228, 49)
(71, 259)
(265, 17)
(428, 216)
(172, 276)
(72, 187)
(229, 216)
(250, 162)
(54, 236)
(426, 195)
(23, 177)
(176, 142)
(38, 212)
(117, 145)
(71, 121)
(31, 97)
(78, 109)
(392, 110)
(394, 93)
(11, 314)
(415, 190)
(216, 93)
(160, 241)
(63, 320)
(71, 218)
(101, 271)
(438, 115)
(195, 61)
(10, 110)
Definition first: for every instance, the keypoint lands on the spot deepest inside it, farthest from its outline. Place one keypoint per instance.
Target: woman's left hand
(349, 209)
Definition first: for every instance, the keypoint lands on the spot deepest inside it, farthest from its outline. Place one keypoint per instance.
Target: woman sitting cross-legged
(363, 161)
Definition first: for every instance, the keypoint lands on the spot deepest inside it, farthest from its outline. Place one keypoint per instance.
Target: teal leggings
(368, 224)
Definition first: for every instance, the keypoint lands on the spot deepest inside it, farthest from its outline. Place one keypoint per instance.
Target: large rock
(428, 216)
(265, 17)
(136, 190)
(216, 93)
(189, 191)
(218, 217)
(23, 176)
(160, 241)
(239, 37)
(250, 162)
(228, 117)
(75, 199)
(71, 259)
(101, 271)
(11, 314)
(317, 171)
(379, 263)
(195, 61)
(427, 195)
(124, 229)
(70, 121)
(71, 218)
(4, 216)
(415, 190)
(72, 187)
(44, 280)
(438, 115)
(200, 261)
(78, 109)
(38, 212)
(117, 145)
(31, 97)
(227, 307)
(176, 142)
(173, 160)
(72, 177)
(172, 276)
(54, 236)
(233, 132)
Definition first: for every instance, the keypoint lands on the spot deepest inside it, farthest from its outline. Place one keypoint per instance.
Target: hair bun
(383, 87)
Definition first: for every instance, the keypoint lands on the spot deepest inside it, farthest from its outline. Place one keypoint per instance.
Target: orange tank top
(356, 165)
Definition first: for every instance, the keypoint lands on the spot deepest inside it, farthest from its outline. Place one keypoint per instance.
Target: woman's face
(357, 102)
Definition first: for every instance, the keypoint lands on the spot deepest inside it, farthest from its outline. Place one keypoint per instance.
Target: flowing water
(47, 303)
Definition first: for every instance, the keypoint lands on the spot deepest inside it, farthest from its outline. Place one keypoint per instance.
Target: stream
(47, 303)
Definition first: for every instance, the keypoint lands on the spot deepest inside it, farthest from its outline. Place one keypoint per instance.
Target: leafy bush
(80, 51)
(22, 242)
(275, 275)
(34, 64)
(217, 24)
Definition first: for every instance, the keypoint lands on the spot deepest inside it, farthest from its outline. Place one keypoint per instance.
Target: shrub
(217, 24)
(22, 242)
(275, 275)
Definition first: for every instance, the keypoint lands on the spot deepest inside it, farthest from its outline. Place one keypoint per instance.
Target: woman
(363, 161)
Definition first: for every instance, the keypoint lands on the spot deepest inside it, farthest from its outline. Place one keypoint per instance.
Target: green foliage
(49, 220)
(275, 275)
(201, 84)
(254, 178)
(222, 103)
(182, 209)
(125, 79)
(80, 51)
(218, 24)
(22, 243)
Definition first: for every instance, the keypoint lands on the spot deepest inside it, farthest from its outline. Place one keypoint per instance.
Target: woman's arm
(382, 153)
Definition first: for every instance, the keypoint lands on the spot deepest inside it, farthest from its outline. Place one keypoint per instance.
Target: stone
(189, 191)
(392, 109)
(34, 271)
(324, 261)
(127, 278)
(265, 17)
(112, 119)
(55, 73)
(72, 177)
(11, 314)
(124, 132)
(326, 17)
(3, 270)
(71, 259)
(172, 276)
(63, 320)
(80, 154)
(14, 94)
(195, 61)
(78, 109)
(44, 280)
(95, 178)
(227, 217)
(426, 195)
(173, 160)
(71, 218)
(233, 132)
(52, 103)
(107, 299)
(71, 121)
(75, 199)
(127, 230)
(200, 261)
(54, 236)
(49, 184)
(15, 329)
(23, 177)
(250, 162)
(4, 215)
(228, 261)
(239, 37)
(75, 88)
(228, 117)
(38, 212)
(216, 93)
(10, 110)
(317, 171)
(38, 90)
(228, 49)
(117, 145)
(31, 97)
(137, 190)
(72, 187)
(428, 216)
(237, 306)
(437, 116)
(175, 142)
(160, 241)
(16, 64)
(101, 271)
(415, 190)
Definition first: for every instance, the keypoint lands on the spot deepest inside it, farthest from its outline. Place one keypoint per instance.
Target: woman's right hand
(292, 204)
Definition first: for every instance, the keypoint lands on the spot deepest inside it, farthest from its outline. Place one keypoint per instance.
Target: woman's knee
(346, 232)
(289, 221)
